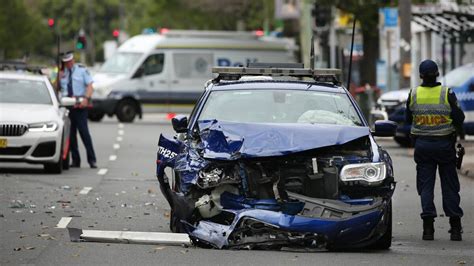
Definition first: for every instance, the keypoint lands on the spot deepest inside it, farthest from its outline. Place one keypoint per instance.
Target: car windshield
(24, 91)
(121, 63)
(280, 106)
(458, 76)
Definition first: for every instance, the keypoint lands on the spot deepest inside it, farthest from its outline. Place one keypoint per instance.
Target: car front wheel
(54, 168)
(385, 242)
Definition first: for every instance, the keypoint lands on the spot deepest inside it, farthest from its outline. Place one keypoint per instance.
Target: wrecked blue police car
(278, 157)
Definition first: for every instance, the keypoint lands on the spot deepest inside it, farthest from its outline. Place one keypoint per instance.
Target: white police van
(165, 72)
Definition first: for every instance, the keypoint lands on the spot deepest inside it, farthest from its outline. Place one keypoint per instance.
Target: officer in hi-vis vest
(435, 115)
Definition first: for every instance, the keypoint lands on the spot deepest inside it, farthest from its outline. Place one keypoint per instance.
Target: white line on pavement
(121, 132)
(119, 139)
(116, 146)
(64, 222)
(102, 171)
(112, 157)
(85, 190)
(120, 125)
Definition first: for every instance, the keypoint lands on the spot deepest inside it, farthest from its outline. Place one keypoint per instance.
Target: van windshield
(121, 63)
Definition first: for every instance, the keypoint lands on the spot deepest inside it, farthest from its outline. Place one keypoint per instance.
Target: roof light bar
(294, 72)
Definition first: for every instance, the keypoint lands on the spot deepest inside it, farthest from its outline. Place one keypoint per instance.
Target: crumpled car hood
(230, 140)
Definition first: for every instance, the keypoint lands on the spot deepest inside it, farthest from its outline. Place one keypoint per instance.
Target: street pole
(305, 31)
(332, 40)
(404, 7)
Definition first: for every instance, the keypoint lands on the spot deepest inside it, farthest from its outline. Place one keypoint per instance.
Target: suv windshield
(280, 106)
(121, 63)
(24, 91)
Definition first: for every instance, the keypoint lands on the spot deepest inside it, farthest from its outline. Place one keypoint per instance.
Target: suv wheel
(126, 111)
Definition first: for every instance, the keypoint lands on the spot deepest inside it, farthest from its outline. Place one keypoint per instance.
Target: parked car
(391, 105)
(268, 161)
(34, 126)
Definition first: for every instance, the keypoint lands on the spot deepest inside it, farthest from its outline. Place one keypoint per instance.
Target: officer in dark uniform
(435, 115)
(77, 82)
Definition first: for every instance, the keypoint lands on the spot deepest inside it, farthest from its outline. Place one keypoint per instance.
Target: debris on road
(17, 204)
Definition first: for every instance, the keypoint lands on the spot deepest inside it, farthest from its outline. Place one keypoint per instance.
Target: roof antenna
(350, 58)
(311, 63)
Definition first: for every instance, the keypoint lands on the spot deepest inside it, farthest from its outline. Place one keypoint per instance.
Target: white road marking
(64, 222)
(85, 190)
(135, 237)
(102, 171)
(119, 139)
(120, 125)
(116, 146)
(112, 157)
(121, 132)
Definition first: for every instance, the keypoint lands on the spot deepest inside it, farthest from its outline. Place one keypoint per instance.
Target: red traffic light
(50, 22)
(116, 33)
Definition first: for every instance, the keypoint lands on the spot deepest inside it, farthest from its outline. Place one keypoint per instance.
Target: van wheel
(126, 110)
(95, 116)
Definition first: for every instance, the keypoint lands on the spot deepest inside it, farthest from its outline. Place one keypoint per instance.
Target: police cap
(428, 68)
(67, 56)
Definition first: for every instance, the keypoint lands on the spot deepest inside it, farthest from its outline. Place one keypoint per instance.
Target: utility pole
(404, 7)
(90, 6)
(305, 31)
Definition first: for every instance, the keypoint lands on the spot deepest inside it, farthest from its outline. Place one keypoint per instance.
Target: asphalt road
(123, 194)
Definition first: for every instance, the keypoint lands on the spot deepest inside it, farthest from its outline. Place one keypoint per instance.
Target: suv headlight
(43, 127)
(369, 172)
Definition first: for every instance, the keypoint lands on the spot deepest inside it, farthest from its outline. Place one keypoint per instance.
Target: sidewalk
(467, 168)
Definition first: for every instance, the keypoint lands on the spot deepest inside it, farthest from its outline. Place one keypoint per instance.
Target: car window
(153, 64)
(121, 63)
(458, 76)
(280, 106)
(24, 91)
(192, 65)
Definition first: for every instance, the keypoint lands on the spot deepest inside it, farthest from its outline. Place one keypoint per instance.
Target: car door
(152, 80)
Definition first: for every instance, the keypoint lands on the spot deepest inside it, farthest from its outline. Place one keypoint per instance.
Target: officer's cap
(67, 56)
(428, 68)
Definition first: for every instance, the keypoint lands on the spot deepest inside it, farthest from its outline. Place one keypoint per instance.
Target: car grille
(11, 130)
(14, 150)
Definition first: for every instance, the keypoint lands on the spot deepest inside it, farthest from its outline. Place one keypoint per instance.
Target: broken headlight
(372, 173)
(216, 176)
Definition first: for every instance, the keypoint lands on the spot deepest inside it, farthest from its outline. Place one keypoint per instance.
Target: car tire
(126, 111)
(385, 242)
(66, 161)
(54, 168)
(95, 116)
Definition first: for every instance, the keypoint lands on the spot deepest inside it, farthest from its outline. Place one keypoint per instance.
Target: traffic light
(51, 22)
(81, 43)
(322, 15)
(116, 33)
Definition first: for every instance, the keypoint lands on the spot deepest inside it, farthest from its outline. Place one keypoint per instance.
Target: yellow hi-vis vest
(431, 111)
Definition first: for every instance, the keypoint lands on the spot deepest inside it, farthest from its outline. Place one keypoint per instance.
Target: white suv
(34, 126)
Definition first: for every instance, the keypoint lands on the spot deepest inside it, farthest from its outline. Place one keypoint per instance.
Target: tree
(22, 31)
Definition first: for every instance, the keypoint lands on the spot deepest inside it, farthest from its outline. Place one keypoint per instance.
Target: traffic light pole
(58, 56)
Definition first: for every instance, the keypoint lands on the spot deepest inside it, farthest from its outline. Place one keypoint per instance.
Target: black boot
(456, 228)
(428, 229)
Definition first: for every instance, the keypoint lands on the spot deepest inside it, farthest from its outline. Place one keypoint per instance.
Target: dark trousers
(78, 118)
(432, 153)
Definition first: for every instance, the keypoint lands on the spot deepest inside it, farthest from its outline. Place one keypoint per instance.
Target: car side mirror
(67, 101)
(140, 72)
(384, 128)
(180, 123)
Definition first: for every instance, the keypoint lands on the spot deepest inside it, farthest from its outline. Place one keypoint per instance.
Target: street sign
(381, 74)
(390, 17)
